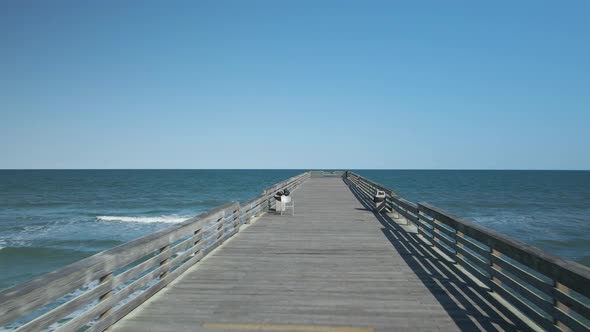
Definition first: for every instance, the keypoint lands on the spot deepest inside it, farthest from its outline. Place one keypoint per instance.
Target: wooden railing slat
(523, 290)
(31, 295)
(573, 303)
(573, 323)
(569, 273)
(63, 310)
(473, 258)
(502, 264)
(525, 308)
(462, 241)
(468, 265)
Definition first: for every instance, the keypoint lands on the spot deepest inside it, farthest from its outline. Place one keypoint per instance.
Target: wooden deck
(334, 266)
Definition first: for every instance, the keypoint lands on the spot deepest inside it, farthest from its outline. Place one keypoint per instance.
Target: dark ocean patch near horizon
(51, 218)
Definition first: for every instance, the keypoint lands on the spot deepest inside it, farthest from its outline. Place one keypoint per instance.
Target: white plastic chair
(287, 203)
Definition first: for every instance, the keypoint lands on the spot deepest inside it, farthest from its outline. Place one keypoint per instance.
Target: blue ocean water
(50, 218)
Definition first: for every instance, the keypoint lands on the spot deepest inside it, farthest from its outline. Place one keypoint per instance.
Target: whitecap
(169, 219)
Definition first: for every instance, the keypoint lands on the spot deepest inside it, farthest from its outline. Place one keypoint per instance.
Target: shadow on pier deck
(334, 266)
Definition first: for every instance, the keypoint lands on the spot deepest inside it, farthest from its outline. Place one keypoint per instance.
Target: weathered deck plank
(332, 264)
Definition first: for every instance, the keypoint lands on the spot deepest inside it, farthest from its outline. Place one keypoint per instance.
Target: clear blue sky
(295, 84)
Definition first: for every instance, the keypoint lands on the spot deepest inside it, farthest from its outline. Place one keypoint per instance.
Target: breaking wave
(168, 219)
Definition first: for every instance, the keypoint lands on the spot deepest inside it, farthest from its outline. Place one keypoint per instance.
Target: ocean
(50, 218)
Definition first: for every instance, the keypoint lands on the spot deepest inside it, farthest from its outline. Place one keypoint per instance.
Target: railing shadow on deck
(470, 306)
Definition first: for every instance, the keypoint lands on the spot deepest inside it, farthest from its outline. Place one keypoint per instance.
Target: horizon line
(289, 169)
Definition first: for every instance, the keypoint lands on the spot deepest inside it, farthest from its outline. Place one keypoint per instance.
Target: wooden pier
(336, 265)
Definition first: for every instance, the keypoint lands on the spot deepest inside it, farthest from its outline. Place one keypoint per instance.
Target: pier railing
(552, 292)
(97, 291)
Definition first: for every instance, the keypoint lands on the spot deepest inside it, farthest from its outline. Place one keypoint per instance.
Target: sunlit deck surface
(334, 266)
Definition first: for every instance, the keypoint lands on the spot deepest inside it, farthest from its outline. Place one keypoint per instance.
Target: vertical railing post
(419, 226)
(250, 214)
(240, 217)
(392, 209)
(493, 253)
(459, 234)
(455, 245)
(435, 234)
(557, 305)
(105, 279)
(267, 199)
(259, 208)
(164, 262)
(196, 233)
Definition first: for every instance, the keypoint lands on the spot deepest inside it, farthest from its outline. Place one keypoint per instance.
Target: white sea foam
(169, 219)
